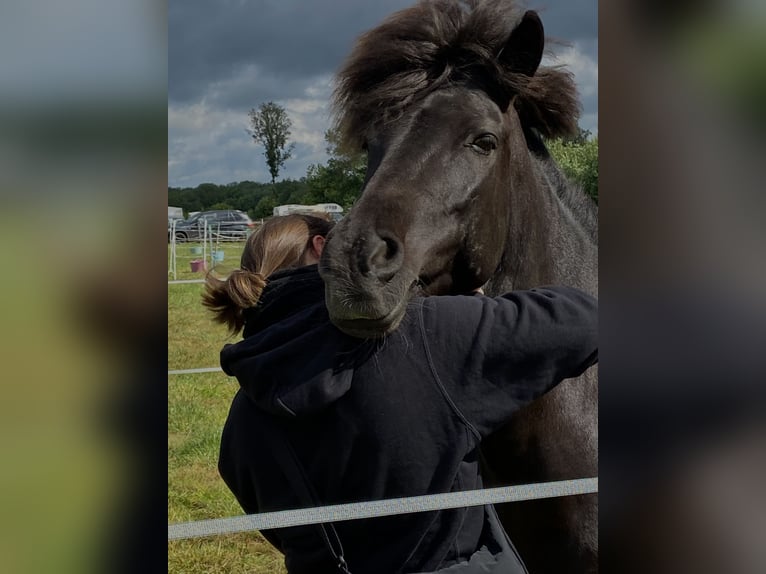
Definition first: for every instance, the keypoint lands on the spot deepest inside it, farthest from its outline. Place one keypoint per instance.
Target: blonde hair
(280, 243)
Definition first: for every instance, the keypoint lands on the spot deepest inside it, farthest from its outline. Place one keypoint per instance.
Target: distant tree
(265, 208)
(271, 129)
(209, 194)
(341, 179)
(220, 205)
(291, 190)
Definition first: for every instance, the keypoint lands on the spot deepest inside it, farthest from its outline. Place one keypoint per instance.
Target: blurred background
(82, 302)
(83, 160)
(682, 284)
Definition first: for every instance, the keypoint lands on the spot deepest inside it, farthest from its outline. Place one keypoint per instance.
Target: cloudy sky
(228, 56)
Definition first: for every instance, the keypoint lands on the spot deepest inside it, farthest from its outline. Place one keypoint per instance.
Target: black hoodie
(400, 416)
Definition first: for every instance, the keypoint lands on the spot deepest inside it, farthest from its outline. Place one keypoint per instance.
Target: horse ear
(523, 51)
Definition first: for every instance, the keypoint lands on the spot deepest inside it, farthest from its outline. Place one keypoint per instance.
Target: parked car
(226, 224)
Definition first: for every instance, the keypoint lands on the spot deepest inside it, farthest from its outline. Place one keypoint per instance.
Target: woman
(376, 419)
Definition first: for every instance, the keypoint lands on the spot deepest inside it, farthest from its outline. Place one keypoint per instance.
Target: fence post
(172, 262)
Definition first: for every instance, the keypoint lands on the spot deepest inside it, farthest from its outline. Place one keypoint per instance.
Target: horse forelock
(435, 43)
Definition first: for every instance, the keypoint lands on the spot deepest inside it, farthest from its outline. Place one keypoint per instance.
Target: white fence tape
(357, 510)
(194, 371)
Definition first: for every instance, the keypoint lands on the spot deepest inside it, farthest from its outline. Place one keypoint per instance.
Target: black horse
(452, 105)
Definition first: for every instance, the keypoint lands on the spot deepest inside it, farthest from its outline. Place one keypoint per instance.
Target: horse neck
(552, 237)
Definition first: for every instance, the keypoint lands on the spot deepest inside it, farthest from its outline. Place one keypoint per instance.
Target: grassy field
(197, 408)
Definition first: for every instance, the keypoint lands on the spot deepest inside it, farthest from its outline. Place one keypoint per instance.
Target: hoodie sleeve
(493, 356)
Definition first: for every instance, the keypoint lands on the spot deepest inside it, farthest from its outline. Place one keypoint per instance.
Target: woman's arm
(495, 355)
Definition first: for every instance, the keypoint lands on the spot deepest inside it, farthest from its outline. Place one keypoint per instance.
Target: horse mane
(573, 198)
(579, 204)
(437, 42)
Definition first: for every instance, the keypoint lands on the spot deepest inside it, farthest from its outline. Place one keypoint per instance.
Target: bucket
(197, 265)
(217, 256)
(195, 250)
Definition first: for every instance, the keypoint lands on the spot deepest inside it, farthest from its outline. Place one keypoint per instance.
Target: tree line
(340, 179)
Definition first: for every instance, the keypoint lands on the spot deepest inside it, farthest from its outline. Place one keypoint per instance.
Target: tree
(578, 158)
(341, 179)
(265, 208)
(271, 128)
(221, 205)
(338, 150)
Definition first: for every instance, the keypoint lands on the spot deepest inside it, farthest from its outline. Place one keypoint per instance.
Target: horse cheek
(485, 239)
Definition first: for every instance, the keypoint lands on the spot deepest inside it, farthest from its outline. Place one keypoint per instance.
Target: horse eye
(484, 144)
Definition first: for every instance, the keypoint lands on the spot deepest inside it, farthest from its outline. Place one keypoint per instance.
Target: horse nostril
(386, 258)
(392, 247)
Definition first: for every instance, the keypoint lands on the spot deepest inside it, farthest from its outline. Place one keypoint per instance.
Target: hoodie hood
(293, 361)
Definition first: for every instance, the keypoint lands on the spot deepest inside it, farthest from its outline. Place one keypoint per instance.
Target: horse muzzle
(363, 320)
(366, 291)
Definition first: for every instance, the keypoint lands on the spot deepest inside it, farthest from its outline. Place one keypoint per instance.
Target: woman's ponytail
(229, 298)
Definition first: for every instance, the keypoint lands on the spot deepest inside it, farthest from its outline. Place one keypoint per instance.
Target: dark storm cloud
(292, 40)
(252, 85)
(212, 41)
(568, 20)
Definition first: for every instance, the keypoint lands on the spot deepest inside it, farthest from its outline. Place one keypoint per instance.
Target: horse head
(440, 104)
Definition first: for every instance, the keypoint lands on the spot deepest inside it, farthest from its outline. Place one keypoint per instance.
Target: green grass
(197, 408)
